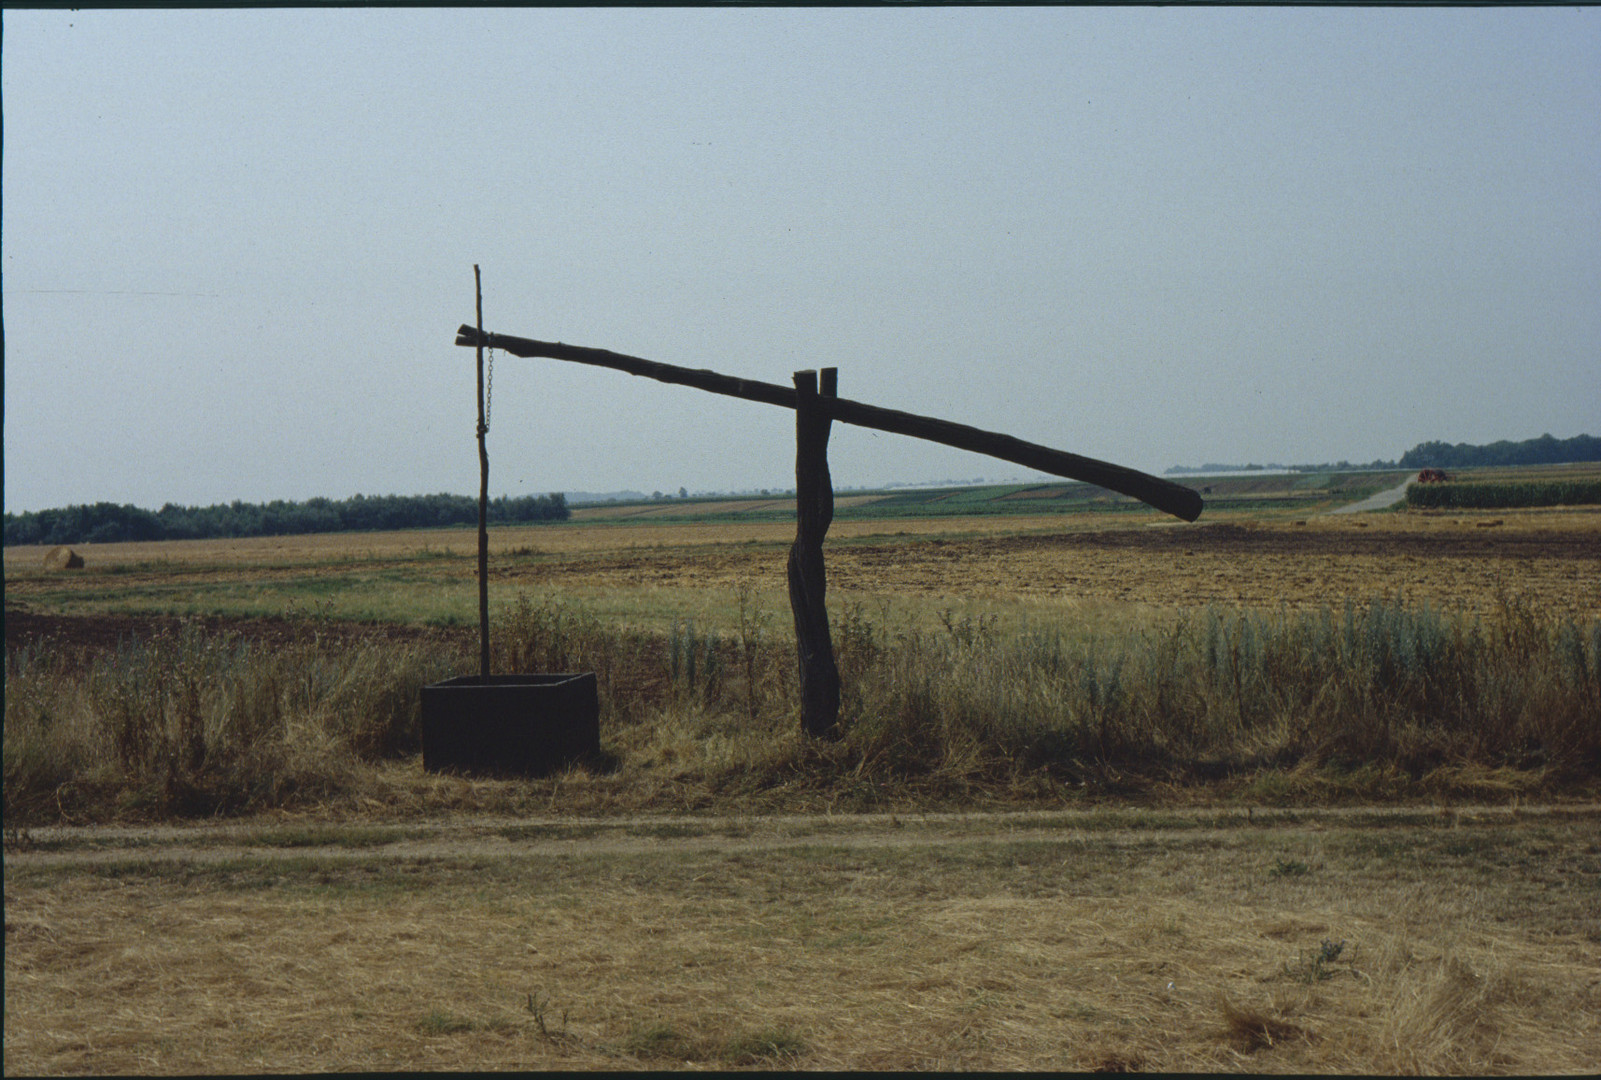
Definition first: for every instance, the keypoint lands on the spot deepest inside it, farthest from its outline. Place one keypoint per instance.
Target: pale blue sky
(236, 245)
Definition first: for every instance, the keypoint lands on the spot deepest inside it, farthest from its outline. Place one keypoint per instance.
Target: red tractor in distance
(1432, 476)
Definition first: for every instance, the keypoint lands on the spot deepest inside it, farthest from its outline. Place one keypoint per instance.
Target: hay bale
(62, 558)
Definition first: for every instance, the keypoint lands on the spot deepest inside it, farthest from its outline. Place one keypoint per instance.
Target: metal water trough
(522, 725)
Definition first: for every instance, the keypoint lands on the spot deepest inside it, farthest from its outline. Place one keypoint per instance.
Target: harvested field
(1550, 559)
(764, 505)
(1324, 562)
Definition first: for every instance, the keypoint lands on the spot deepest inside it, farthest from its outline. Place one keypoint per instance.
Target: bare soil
(101, 632)
(485, 836)
(1546, 562)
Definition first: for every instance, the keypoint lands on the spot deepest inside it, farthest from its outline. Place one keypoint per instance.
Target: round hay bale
(62, 558)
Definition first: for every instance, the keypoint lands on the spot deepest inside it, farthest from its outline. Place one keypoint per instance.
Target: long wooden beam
(1175, 499)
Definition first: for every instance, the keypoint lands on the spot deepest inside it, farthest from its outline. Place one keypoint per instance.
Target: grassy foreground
(1370, 942)
(1380, 702)
(281, 887)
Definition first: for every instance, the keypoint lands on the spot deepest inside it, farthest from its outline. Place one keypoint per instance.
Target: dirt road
(551, 837)
(1382, 501)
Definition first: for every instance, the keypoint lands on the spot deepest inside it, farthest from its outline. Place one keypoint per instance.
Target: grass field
(1106, 705)
(1284, 492)
(986, 657)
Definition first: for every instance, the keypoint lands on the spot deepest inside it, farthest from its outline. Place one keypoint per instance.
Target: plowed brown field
(1449, 563)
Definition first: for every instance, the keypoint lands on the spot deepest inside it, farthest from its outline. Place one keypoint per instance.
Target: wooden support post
(814, 512)
(483, 494)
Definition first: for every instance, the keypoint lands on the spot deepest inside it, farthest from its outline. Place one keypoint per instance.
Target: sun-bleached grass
(1096, 948)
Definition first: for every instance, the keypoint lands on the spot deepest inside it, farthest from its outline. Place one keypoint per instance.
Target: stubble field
(1463, 562)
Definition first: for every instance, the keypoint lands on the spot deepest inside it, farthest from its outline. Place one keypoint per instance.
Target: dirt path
(551, 837)
(1382, 501)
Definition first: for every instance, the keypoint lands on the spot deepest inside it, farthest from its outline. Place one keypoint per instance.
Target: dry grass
(197, 724)
(1547, 558)
(1379, 704)
(924, 947)
(1114, 942)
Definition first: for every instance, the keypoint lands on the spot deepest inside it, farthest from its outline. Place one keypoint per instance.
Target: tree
(105, 523)
(1546, 450)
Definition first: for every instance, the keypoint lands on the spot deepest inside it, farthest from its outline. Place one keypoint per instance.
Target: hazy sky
(237, 245)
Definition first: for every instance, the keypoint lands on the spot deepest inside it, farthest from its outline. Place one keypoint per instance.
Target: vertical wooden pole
(814, 512)
(483, 493)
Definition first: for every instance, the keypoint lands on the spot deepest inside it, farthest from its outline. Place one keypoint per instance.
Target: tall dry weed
(195, 723)
(1378, 697)
(1244, 689)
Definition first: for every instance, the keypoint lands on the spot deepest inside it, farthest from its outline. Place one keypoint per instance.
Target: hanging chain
(489, 395)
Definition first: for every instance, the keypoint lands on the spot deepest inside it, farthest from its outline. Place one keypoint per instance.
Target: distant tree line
(105, 522)
(1545, 450)
(1344, 466)
(1542, 451)
(1213, 468)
